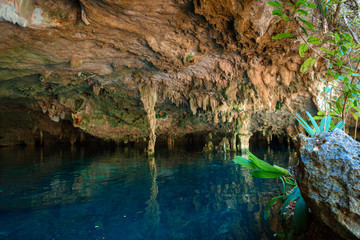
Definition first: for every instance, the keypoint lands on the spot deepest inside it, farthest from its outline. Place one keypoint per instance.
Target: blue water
(103, 193)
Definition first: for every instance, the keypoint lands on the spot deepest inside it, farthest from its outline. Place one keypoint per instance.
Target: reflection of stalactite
(41, 155)
(152, 214)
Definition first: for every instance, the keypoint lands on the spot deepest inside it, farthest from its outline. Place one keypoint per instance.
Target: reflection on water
(152, 210)
(102, 193)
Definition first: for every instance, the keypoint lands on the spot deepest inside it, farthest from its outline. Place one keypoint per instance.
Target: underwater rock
(328, 175)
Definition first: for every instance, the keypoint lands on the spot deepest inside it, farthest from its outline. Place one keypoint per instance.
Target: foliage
(326, 124)
(261, 169)
(337, 50)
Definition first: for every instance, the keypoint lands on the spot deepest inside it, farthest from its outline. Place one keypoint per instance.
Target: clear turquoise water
(109, 193)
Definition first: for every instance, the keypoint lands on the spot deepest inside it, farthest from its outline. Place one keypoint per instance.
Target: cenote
(125, 119)
(100, 192)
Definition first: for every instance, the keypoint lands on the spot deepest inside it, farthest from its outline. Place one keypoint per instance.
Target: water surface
(112, 193)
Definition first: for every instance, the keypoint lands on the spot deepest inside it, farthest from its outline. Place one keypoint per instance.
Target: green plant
(326, 124)
(337, 50)
(261, 169)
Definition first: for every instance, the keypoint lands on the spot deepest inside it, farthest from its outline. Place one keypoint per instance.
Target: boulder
(328, 175)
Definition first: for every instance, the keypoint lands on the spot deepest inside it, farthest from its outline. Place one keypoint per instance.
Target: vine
(338, 49)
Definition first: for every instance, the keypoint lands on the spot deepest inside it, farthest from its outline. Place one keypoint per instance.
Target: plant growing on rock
(326, 124)
(337, 50)
(296, 217)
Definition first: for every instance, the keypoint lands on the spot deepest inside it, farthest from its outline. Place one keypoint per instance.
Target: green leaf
(307, 64)
(289, 181)
(282, 170)
(339, 62)
(304, 30)
(284, 185)
(272, 201)
(340, 125)
(293, 196)
(327, 124)
(266, 209)
(265, 174)
(261, 164)
(355, 115)
(302, 12)
(300, 2)
(347, 37)
(274, 4)
(327, 51)
(306, 126)
(266, 212)
(311, 5)
(245, 162)
(338, 104)
(307, 24)
(322, 124)
(332, 125)
(277, 12)
(288, 3)
(300, 218)
(283, 35)
(344, 49)
(278, 20)
(286, 18)
(337, 37)
(303, 48)
(316, 127)
(314, 40)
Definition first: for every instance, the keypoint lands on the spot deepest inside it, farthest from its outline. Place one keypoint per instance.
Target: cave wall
(210, 66)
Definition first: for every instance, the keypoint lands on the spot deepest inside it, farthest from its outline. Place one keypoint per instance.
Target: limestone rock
(209, 61)
(329, 179)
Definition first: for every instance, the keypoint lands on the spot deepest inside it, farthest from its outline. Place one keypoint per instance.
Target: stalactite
(82, 137)
(148, 97)
(224, 145)
(41, 138)
(244, 142)
(170, 143)
(244, 133)
(73, 139)
(193, 106)
(233, 142)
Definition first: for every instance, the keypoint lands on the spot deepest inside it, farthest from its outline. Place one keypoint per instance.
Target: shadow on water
(100, 192)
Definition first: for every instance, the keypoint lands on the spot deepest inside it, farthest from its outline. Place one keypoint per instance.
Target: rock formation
(329, 179)
(213, 64)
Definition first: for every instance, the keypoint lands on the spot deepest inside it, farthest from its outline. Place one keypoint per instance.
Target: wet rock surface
(329, 179)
